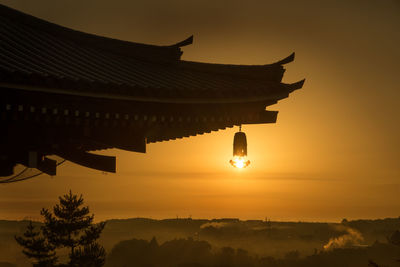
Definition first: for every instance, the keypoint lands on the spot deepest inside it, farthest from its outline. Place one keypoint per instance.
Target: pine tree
(90, 255)
(36, 247)
(70, 226)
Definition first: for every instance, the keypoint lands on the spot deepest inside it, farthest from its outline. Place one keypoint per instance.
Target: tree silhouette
(90, 255)
(36, 247)
(69, 226)
(394, 238)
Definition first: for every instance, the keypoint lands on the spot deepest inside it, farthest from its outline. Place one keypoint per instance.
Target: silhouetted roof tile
(37, 53)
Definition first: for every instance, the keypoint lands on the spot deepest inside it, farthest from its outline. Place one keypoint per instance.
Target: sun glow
(239, 162)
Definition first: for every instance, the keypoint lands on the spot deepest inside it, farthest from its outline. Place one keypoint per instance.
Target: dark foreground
(231, 242)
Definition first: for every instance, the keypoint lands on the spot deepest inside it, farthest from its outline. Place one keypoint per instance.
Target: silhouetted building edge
(67, 93)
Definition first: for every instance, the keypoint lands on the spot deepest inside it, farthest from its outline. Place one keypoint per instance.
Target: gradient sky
(333, 154)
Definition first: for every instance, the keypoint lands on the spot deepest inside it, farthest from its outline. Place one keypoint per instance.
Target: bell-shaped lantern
(239, 159)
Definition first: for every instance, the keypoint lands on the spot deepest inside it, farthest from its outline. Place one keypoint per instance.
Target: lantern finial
(240, 150)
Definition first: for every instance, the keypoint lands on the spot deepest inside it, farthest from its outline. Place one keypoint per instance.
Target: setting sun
(240, 162)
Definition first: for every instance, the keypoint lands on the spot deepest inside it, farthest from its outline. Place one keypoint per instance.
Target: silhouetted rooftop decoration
(65, 92)
(239, 159)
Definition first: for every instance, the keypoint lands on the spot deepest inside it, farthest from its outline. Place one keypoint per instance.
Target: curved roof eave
(283, 61)
(273, 71)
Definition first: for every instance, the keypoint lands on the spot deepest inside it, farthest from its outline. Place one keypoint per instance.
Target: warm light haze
(333, 153)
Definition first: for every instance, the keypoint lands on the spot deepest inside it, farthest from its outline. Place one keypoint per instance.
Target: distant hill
(234, 232)
(189, 252)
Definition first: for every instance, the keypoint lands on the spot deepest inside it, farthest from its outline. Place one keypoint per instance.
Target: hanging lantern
(239, 150)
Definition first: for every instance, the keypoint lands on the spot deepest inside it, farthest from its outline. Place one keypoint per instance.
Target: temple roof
(75, 92)
(41, 56)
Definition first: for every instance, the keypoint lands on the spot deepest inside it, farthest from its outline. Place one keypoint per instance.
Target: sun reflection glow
(239, 162)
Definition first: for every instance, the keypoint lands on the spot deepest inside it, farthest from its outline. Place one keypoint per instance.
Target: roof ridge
(112, 45)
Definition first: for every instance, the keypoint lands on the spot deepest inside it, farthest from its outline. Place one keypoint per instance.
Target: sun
(239, 162)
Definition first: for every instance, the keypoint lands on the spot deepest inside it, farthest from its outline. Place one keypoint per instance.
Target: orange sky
(334, 152)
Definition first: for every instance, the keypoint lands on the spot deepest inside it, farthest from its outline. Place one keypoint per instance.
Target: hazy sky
(334, 152)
